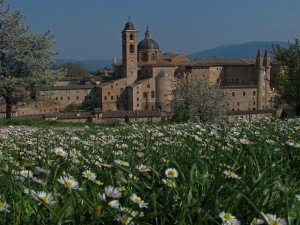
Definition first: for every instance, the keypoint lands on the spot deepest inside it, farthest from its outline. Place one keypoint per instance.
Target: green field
(189, 173)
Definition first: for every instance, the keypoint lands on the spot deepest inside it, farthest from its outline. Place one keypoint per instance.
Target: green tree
(287, 81)
(74, 70)
(25, 59)
(195, 98)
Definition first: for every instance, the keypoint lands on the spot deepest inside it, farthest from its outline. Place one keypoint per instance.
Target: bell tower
(129, 52)
(260, 79)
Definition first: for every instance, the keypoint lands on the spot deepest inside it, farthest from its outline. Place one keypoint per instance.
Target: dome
(163, 73)
(129, 26)
(147, 42)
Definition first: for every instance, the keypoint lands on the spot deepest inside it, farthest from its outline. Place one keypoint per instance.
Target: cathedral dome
(129, 26)
(147, 42)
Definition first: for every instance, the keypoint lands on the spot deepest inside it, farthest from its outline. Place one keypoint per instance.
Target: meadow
(188, 173)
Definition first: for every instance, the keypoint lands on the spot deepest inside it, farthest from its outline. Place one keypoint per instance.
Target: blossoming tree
(25, 59)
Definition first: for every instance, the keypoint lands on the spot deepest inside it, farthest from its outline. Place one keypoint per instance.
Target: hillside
(242, 51)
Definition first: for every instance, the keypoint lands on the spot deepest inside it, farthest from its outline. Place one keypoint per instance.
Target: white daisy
(122, 163)
(138, 201)
(43, 197)
(228, 219)
(169, 183)
(273, 220)
(68, 182)
(26, 173)
(231, 174)
(256, 221)
(143, 168)
(114, 204)
(298, 197)
(113, 192)
(171, 173)
(4, 206)
(89, 175)
(60, 152)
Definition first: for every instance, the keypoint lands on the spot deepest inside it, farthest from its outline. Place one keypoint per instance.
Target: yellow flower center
(5, 169)
(1, 204)
(232, 174)
(273, 222)
(138, 200)
(60, 153)
(89, 174)
(171, 173)
(68, 184)
(169, 183)
(227, 217)
(25, 174)
(44, 199)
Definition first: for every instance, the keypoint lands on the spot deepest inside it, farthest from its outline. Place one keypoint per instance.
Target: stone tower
(267, 66)
(260, 79)
(129, 52)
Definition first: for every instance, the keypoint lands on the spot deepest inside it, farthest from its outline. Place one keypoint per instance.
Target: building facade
(144, 80)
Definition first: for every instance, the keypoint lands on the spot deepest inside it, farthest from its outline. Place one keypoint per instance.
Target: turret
(260, 79)
(267, 65)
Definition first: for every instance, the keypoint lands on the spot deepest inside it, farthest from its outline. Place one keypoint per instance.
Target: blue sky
(91, 29)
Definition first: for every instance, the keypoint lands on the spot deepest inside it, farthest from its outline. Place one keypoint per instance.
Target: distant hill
(89, 65)
(246, 50)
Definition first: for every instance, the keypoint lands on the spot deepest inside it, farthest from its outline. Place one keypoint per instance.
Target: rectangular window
(68, 97)
(108, 93)
(233, 94)
(112, 97)
(152, 94)
(105, 98)
(145, 94)
(244, 93)
(254, 93)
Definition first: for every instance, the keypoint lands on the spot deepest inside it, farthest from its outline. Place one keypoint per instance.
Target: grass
(123, 174)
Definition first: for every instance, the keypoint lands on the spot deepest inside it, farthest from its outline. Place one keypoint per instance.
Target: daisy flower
(171, 173)
(231, 174)
(4, 206)
(69, 182)
(26, 173)
(143, 168)
(298, 197)
(122, 163)
(43, 197)
(245, 141)
(169, 183)
(138, 201)
(114, 204)
(60, 152)
(289, 143)
(228, 219)
(126, 220)
(113, 192)
(256, 221)
(89, 175)
(273, 220)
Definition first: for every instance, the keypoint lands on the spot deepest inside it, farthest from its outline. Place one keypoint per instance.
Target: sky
(91, 29)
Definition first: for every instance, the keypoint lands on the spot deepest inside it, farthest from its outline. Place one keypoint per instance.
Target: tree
(195, 98)
(74, 70)
(25, 59)
(287, 81)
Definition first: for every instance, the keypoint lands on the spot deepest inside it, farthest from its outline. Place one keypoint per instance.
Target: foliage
(197, 99)
(74, 70)
(185, 173)
(287, 83)
(25, 59)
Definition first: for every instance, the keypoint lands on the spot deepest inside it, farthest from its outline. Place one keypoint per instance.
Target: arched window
(131, 49)
(153, 57)
(131, 37)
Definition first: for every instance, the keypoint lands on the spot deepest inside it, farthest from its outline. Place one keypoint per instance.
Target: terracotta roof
(72, 87)
(222, 62)
(157, 63)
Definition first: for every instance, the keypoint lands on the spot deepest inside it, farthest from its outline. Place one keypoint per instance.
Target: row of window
(244, 93)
